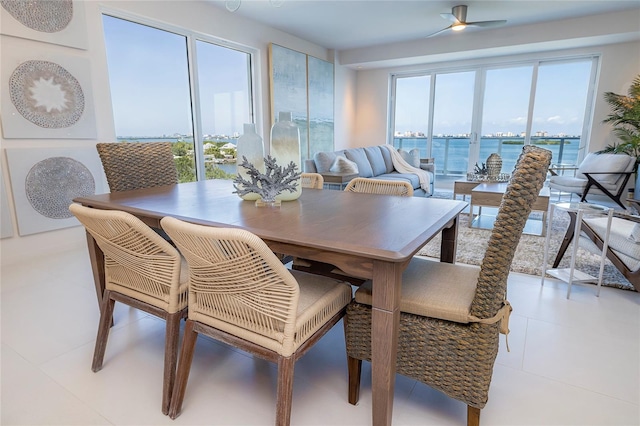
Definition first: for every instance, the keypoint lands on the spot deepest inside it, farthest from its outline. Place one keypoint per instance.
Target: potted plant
(625, 117)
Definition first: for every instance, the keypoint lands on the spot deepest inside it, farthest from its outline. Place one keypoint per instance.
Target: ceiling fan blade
(487, 23)
(439, 32)
(450, 17)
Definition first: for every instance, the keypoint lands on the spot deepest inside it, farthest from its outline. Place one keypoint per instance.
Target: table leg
(449, 243)
(385, 321)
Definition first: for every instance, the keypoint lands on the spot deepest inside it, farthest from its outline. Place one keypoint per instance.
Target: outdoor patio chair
(451, 314)
(312, 180)
(606, 174)
(242, 295)
(141, 270)
(624, 242)
(380, 186)
(136, 165)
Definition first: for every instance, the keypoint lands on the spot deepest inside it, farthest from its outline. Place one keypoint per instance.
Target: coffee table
(490, 195)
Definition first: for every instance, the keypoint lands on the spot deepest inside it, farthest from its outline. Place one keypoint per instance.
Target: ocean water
(452, 154)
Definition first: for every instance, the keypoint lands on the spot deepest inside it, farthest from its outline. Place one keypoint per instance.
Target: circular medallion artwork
(46, 94)
(47, 16)
(53, 183)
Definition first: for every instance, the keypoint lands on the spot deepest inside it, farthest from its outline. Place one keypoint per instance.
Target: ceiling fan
(458, 16)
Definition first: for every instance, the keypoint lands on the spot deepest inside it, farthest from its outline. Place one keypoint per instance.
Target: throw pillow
(412, 157)
(342, 165)
(635, 233)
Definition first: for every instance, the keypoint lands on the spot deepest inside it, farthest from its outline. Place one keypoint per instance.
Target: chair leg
(184, 367)
(170, 358)
(354, 367)
(285, 391)
(473, 416)
(106, 316)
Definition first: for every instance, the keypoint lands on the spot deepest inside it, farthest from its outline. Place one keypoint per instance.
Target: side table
(337, 179)
(571, 274)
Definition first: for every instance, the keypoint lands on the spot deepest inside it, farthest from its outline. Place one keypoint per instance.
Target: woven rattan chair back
(241, 294)
(380, 186)
(522, 191)
(135, 165)
(455, 357)
(312, 180)
(142, 270)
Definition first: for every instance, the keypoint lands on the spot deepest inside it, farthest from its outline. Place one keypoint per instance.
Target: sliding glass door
(504, 114)
(460, 118)
(452, 115)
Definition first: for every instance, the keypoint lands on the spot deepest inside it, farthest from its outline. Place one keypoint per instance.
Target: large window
(168, 85)
(461, 117)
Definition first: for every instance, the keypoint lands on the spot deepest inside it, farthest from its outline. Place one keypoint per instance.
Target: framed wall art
(303, 85)
(48, 96)
(60, 22)
(44, 182)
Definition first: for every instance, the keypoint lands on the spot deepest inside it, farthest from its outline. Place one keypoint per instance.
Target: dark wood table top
(378, 227)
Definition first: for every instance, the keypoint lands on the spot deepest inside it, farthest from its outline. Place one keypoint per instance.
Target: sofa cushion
(388, 162)
(360, 158)
(376, 160)
(414, 180)
(342, 165)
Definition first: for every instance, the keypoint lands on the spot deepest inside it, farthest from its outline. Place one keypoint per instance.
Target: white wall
(197, 16)
(620, 64)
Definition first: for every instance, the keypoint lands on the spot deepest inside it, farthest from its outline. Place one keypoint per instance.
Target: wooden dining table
(364, 235)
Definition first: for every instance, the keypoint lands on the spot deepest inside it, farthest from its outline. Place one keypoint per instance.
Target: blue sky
(559, 106)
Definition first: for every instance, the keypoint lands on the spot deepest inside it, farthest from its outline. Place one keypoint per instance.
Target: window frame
(192, 37)
(480, 70)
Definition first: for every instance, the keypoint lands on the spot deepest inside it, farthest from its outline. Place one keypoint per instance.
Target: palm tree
(625, 117)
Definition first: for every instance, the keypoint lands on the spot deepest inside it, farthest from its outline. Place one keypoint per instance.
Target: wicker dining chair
(451, 315)
(136, 165)
(141, 270)
(242, 295)
(312, 180)
(380, 186)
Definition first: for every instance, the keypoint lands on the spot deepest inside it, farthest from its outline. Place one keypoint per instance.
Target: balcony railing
(452, 153)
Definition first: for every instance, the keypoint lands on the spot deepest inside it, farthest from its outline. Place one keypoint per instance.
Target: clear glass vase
(285, 148)
(250, 146)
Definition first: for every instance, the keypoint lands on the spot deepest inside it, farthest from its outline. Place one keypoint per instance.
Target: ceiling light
(458, 27)
(233, 5)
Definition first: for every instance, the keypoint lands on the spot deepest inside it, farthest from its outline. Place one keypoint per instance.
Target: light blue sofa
(373, 162)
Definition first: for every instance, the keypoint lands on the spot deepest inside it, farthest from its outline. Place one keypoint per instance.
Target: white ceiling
(348, 24)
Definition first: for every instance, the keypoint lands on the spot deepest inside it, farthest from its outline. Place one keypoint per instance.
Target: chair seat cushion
(619, 241)
(433, 289)
(320, 299)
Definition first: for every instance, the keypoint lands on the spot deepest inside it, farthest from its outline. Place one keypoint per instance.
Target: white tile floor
(572, 362)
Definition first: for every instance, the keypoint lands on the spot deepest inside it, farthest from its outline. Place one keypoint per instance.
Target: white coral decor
(275, 180)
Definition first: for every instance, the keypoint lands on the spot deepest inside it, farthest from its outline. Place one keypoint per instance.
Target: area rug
(472, 244)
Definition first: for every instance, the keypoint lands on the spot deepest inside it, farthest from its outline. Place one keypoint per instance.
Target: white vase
(250, 146)
(285, 148)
